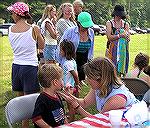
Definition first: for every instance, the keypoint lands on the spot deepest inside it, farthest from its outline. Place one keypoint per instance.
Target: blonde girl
(65, 18)
(50, 33)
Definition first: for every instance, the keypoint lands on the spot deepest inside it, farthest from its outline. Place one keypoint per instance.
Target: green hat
(84, 18)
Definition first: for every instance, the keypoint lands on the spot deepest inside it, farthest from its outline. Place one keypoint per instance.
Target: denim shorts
(24, 78)
(50, 52)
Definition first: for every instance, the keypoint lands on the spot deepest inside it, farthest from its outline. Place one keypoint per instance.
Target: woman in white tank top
(23, 39)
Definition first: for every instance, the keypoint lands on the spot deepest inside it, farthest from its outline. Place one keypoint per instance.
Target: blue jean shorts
(50, 52)
(24, 78)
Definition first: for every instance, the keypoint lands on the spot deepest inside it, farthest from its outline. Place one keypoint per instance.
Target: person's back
(23, 44)
(23, 39)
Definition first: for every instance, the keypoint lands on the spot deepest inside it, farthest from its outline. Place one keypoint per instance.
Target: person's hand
(69, 98)
(124, 35)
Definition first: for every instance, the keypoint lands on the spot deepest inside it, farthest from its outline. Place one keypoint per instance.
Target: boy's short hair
(49, 72)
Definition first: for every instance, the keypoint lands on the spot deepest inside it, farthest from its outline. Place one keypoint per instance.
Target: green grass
(138, 43)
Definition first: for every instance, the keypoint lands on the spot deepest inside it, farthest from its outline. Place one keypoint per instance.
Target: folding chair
(137, 86)
(20, 108)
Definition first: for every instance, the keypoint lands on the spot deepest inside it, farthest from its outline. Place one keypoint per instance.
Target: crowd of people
(64, 41)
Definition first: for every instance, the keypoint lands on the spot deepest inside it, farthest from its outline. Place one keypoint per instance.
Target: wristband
(77, 106)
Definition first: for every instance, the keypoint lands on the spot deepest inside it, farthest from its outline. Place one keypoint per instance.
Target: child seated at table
(140, 63)
(49, 110)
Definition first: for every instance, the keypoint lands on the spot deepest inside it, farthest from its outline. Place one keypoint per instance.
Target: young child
(49, 111)
(71, 80)
(140, 63)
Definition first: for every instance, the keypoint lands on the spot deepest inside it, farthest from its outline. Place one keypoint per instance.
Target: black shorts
(24, 78)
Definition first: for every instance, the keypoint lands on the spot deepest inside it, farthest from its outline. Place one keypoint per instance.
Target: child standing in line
(49, 111)
(71, 80)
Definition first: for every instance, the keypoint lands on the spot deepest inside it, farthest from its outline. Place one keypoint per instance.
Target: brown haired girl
(140, 63)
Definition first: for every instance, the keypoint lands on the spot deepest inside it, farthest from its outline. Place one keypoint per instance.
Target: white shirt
(24, 47)
(48, 39)
(69, 65)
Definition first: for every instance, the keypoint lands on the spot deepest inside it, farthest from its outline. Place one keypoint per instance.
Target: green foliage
(2, 21)
(100, 10)
(138, 43)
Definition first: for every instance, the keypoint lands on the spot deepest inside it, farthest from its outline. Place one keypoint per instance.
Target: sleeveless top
(100, 102)
(84, 46)
(114, 30)
(48, 39)
(24, 47)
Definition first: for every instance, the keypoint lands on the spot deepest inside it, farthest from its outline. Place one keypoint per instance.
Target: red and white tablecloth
(94, 121)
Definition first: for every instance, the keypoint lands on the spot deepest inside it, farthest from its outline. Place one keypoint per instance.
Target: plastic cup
(115, 117)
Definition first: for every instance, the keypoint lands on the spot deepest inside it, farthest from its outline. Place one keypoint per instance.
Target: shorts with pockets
(50, 52)
(24, 78)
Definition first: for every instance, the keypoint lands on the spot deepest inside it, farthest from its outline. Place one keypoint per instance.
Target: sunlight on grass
(138, 43)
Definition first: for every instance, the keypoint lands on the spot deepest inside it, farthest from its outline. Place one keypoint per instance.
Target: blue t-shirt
(100, 102)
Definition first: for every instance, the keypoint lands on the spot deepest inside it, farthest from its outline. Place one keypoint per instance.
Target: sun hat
(119, 11)
(84, 18)
(19, 8)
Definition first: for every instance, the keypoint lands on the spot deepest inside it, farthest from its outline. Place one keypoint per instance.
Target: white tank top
(48, 39)
(24, 47)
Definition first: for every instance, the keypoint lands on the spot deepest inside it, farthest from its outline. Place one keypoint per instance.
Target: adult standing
(117, 31)
(78, 7)
(65, 18)
(23, 39)
(49, 31)
(82, 36)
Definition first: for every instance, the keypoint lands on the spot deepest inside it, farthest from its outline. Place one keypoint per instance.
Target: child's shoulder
(72, 61)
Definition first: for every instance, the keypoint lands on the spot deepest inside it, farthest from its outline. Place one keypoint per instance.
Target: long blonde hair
(102, 70)
(60, 12)
(46, 12)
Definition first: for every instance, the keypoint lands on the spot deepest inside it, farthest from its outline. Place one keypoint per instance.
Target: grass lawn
(138, 43)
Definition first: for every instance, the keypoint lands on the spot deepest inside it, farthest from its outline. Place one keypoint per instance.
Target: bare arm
(42, 124)
(51, 29)
(75, 76)
(110, 37)
(128, 33)
(115, 102)
(38, 37)
(88, 100)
